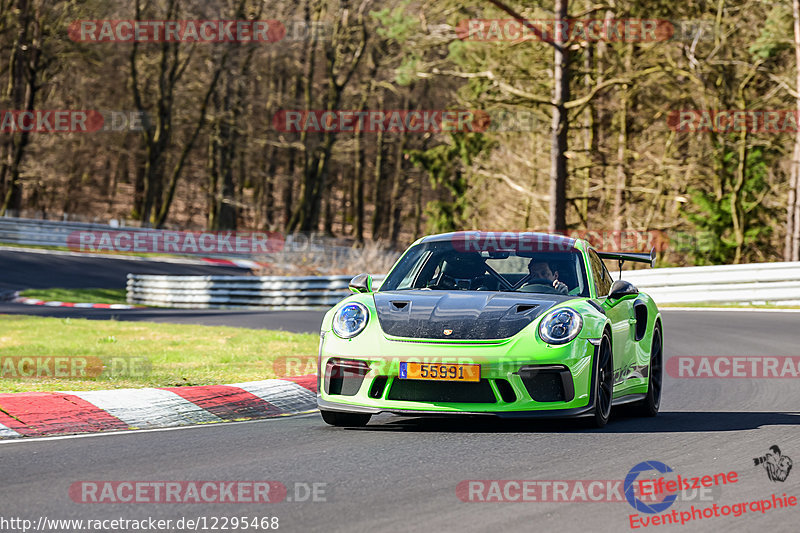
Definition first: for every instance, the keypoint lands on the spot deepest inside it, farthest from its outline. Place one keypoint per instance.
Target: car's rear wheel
(339, 419)
(649, 406)
(604, 388)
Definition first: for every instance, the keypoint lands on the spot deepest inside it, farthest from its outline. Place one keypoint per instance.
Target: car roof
(495, 235)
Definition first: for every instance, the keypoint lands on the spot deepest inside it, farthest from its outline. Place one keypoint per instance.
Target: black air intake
(548, 383)
(378, 384)
(343, 377)
(507, 393)
(413, 390)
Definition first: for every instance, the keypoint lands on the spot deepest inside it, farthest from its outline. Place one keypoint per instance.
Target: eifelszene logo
(656, 495)
(629, 486)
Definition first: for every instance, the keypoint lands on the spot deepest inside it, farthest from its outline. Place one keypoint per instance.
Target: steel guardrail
(753, 283)
(29, 231)
(270, 292)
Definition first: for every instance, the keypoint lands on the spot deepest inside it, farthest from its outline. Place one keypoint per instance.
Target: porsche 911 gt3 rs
(485, 323)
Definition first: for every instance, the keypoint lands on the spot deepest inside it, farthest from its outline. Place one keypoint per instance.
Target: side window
(408, 281)
(607, 275)
(600, 275)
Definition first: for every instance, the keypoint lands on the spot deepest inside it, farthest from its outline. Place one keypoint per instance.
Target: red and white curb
(34, 301)
(36, 414)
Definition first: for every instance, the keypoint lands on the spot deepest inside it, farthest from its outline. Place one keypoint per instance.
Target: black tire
(604, 385)
(339, 419)
(649, 406)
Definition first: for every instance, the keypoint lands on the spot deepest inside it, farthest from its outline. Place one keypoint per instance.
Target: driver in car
(541, 270)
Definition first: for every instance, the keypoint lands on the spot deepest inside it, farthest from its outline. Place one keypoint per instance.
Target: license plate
(440, 372)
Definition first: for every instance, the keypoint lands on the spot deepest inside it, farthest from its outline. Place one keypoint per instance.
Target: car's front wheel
(604, 388)
(650, 404)
(339, 419)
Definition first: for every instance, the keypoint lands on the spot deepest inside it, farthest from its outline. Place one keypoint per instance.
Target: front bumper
(558, 382)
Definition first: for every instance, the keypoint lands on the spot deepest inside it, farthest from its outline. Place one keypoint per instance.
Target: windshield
(439, 266)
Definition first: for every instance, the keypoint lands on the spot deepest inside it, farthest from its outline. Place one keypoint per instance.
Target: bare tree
(792, 245)
(24, 72)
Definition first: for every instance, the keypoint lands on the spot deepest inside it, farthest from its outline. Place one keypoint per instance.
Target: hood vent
(459, 315)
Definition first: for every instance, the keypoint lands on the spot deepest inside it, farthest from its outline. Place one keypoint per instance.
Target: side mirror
(620, 289)
(361, 283)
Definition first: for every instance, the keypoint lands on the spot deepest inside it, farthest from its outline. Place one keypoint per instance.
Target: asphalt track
(36, 270)
(294, 321)
(401, 474)
(23, 270)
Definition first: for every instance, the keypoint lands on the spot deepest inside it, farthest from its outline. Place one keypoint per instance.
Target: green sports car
(490, 323)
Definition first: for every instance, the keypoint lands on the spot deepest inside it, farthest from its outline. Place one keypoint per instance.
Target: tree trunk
(560, 127)
(327, 218)
(792, 246)
(288, 188)
(268, 200)
(398, 185)
(21, 94)
(418, 209)
(737, 212)
(308, 213)
(358, 175)
(213, 177)
(589, 129)
(788, 247)
(622, 148)
(359, 162)
(301, 212)
(346, 203)
(378, 193)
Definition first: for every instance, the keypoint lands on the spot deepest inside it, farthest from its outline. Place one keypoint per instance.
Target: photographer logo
(777, 466)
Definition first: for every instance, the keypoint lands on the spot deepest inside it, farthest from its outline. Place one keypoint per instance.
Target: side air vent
(399, 306)
(521, 308)
(640, 310)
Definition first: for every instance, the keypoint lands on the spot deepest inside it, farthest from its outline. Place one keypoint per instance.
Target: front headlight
(350, 320)
(560, 326)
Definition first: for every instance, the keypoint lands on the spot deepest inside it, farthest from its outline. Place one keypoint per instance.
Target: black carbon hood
(466, 315)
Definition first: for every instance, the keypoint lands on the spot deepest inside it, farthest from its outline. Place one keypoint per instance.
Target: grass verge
(95, 296)
(141, 354)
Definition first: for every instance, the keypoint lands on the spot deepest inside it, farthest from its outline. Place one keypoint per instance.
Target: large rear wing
(639, 257)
